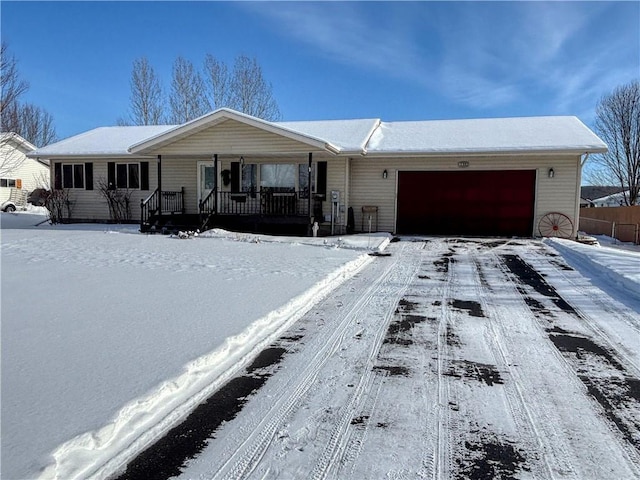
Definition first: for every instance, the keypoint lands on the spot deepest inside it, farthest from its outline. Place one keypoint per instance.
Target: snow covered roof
(102, 141)
(360, 136)
(223, 114)
(17, 140)
(348, 135)
(490, 135)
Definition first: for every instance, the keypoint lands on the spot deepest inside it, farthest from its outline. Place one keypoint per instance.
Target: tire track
(246, 457)
(582, 292)
(336, 446)
(515, 391)
(607, 380)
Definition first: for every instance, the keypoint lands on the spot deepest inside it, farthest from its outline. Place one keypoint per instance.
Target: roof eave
(478, 153)
(59, 156)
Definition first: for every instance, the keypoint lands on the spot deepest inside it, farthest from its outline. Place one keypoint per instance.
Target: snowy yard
(428, 362)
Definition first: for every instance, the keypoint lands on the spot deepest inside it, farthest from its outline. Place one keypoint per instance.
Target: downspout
(309, 227)
(347, 190)
(215, 185)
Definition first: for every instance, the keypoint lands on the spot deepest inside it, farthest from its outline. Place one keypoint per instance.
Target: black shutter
(57, 176)
(88, 176)
(235, 177)
(111, 175)
(321, 186)
(144, 175)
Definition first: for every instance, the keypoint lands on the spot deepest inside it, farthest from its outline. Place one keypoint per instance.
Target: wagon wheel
(555, 224)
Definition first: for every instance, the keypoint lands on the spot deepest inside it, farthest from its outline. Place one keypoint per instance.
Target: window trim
(7, 182)
(77, 176)
(127, 172)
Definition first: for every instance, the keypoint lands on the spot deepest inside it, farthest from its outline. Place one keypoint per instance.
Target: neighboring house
(615, 200)
(19, 174)
(455, 177)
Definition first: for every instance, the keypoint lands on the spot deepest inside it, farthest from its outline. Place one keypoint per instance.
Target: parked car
(17, 198)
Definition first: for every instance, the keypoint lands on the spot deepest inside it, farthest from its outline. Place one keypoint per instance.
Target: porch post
(215, 182)
(309, 196)
(159, 184)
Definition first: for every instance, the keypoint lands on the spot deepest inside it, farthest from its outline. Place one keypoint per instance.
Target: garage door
(481, 203)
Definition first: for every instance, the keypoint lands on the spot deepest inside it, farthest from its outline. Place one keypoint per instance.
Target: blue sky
(332, 60)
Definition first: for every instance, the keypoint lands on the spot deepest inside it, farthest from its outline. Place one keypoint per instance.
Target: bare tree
(35, 124)
(244, 89)
(31, 122)
(188, 97)
(618, 125)
(11, 85)
(250, 93)
(147, 103)
(217, 80)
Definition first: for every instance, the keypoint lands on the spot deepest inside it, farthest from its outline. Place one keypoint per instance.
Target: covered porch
(257, 195)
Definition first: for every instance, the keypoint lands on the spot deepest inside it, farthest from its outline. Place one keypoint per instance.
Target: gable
(231, 136)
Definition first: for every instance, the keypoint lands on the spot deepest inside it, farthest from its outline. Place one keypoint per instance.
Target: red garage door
(480, 203)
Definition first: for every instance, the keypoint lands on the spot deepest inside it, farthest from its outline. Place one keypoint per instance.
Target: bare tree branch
(147, 103)
(188, 98)
(618, 125)
(251, 94)
(217, 79)
(11, 85)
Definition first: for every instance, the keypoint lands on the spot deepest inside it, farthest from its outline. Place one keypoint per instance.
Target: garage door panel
(496, 203)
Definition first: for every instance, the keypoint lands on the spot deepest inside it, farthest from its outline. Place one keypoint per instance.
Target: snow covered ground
(422, 363)
(106, 332)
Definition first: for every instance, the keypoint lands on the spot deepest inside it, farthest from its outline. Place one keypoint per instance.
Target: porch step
(171, 224)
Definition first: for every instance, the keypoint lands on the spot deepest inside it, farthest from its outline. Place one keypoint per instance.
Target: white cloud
(481, 55)
(346, 33)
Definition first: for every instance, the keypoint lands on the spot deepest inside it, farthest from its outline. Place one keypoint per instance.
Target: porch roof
(211, 119)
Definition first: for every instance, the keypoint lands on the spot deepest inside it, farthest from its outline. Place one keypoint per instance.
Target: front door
(206, 179)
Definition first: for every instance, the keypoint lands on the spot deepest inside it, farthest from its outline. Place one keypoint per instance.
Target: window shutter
(111, 175)
(235, 177)
(57, 176)
(144, 175)
(321, 187)
(88, 176)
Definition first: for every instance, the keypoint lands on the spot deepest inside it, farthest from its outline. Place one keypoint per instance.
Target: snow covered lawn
(108, 331)
(451, 358)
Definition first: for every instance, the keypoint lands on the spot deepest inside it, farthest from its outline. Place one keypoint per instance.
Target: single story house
(489, 177)
(19, 174)
(615, 200)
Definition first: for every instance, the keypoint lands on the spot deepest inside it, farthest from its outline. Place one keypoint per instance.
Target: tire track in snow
(597, 305)
(442, 460)
(514, 391)
(558, 309)
(244, 459)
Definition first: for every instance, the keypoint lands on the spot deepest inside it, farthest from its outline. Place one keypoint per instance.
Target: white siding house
(19, 174)
(457, 177)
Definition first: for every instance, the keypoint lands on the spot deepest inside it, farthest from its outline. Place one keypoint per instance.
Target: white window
(7, 182)
(127, 175)
(249, 177)
(73, 175)
(280, 176)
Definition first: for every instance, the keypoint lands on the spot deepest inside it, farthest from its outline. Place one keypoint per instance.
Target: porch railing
(160, 202)
(207, 207)
(265, 203)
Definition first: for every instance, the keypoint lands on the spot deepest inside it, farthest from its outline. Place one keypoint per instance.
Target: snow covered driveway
(448, 359)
